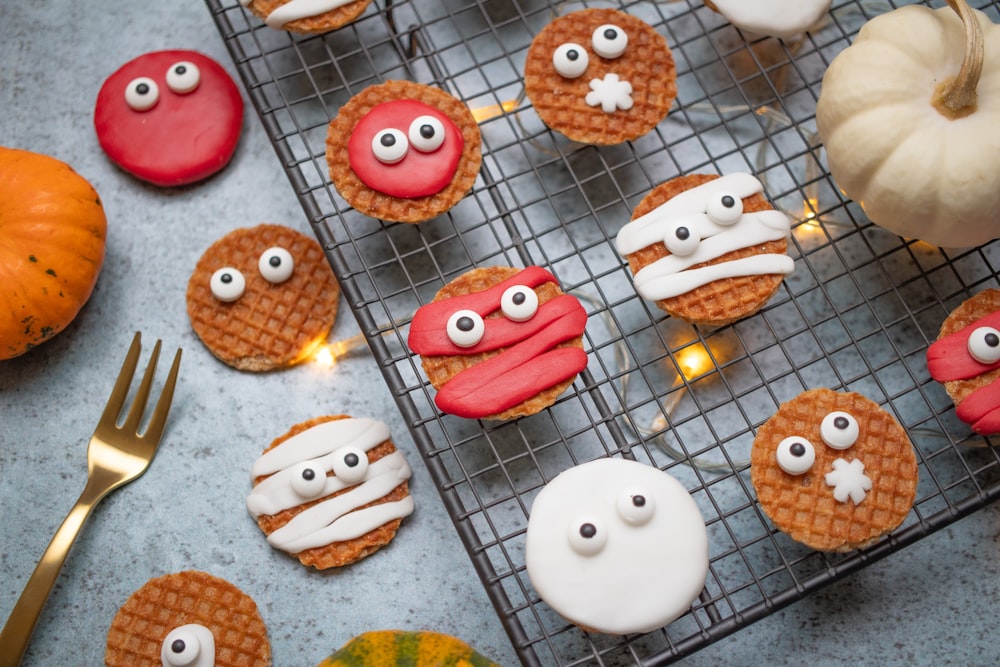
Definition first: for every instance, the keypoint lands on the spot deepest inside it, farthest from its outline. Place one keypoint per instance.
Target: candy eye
(519, 303)
(426, 133)
(183, 77)
(984, 345)
(351, 464)
(276, 265)
(465, 328)
(183, 647)
(681, 239)
(142, 93)
(570, 60)
(587, 536)
(635, 506)
(390, 146)
(308, 479)
(725, 209)
(609, 41)
(795, 455)
(839, 430)
(228, 284)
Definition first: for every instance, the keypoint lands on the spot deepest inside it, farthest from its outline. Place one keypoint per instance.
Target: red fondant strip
(949, 359)
(981, 409)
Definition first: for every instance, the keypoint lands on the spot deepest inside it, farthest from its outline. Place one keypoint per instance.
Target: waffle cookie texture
(377, 204)
(271, 325)
(584, 107)
(855, 491)
(310, 21)
(166, 603)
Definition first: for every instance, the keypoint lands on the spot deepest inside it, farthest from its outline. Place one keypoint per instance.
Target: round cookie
(214, 622)
(331, 490)
(600, 76)
(774, 18)
(499, 342)
(833, 470)
(308, 17)
(391, 648)
(965, 358)
(169, 117)
(275, 321)
(616, 546)
(707, 249)
(403, 151)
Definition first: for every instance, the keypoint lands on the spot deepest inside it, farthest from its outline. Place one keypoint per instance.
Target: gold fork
(116, 456)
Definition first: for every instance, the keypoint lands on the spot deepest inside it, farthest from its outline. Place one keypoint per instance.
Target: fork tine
(120, 391)
(154, 429)
(131, 422)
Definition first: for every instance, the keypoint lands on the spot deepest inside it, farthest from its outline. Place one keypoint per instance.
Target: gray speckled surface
(934, 603)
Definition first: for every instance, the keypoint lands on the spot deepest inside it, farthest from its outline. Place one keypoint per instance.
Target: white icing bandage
(299, 9)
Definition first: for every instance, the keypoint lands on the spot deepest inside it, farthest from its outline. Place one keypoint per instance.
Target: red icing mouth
(419, 172)
(949, 359)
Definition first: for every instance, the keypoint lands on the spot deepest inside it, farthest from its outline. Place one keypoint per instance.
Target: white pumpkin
(910, 118)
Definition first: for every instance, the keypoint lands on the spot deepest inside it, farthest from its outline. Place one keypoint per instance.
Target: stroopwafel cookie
(403, 151)
(707, 249)
(833, 470)
(600, 76)
(499, 342)
(331, 491)
(305, 17)
(966, 360)
(263, 298)
(188, 618)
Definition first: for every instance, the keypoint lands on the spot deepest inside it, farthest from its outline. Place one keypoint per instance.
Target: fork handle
(21, 623)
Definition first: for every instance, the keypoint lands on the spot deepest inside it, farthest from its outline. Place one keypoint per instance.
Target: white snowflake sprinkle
(848, 481)
(610, 93)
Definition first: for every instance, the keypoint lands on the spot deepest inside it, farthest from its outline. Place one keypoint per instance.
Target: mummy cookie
(500, 342)
(833, 470)
(403, 151)
(616, 546)
(169, 117)
(308, 17)
(331, 491)
(263, 298)
(707, 249)
(966, 360)
(188, 619)
(600, 76)
(774, 18)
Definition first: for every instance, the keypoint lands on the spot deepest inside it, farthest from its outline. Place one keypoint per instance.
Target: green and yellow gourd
(392, 648)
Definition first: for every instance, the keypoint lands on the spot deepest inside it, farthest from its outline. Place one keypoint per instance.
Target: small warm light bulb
(324, 356)
(693, 361)
(493, 110)
(809, 208)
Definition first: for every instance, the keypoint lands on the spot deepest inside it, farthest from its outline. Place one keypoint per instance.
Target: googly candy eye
(587, 536)
(189, 645)
(519, 303)
(276, 265)
(635, 506)
(350, 464)
(308, 479)
(228, 284)
(839, 430)
(426, 133)
(795, 455)
(570, 60)
(609, 41)
(681, 239)
(984, 345)
(142, 93)
(465, 328)
(183, 77)
(724, 209)
(390, 146)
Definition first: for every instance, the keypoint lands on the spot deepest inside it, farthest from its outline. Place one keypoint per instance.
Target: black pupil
(588, 530)
(226, 278)
(309, 474)
(728, 201)
(388, 140)
(180, 69)
(797, 449)
(427, 131)
(519, 298)
(639, 501)
(275, 261)
(992, 339)
(352, 460)
(611, 34)
(572, 54)
(840, 422)
(683, 233)
(178, 646)
(142, 88)
(465, 324)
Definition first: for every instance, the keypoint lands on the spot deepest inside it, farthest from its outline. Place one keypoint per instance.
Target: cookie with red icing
(403, 151)
(169, 117)
(500, 342)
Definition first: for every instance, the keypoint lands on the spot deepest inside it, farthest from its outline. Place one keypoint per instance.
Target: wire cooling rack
(857, 314)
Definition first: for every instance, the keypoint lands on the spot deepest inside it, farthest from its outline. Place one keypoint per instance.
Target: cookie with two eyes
(600, 76)
(308, 17)
(833, 470)
(965, 358)
(500, 342)
(707, 249)
(403, 151)
(263, 298)
(331, 491)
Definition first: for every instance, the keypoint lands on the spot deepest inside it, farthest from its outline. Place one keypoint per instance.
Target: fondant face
(972, 355)
(169, 117)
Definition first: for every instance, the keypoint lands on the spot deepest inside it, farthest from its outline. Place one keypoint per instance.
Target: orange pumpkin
(52, 238)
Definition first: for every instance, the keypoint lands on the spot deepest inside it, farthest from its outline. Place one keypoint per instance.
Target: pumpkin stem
(956, 97)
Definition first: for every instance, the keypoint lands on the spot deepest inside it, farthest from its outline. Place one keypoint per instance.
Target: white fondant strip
(351, 526)
(320, 440)
(302, 9)
(656, 285)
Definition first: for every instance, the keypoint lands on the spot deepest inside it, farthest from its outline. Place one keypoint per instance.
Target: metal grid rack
(857, 314)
